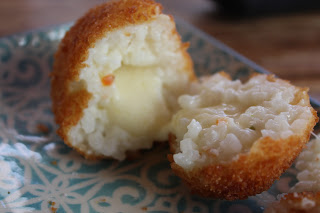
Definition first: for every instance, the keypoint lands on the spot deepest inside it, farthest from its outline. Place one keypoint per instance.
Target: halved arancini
(116, 78)
(232, 140)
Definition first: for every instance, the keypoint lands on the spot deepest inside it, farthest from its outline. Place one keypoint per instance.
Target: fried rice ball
(304, 202)
(232, 140)
(116, 78)
(308, 165)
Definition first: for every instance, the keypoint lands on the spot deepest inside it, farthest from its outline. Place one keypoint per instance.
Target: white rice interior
(308, 165)
(136, 109)
(224, 118)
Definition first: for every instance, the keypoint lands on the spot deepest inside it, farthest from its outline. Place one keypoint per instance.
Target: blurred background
(282, 36)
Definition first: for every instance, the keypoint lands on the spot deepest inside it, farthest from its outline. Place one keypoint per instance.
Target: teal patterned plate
(38, 173)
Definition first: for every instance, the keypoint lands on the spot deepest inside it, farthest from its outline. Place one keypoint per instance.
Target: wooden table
(287, 45)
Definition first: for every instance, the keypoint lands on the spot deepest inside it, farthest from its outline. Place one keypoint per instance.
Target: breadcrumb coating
(249, 172)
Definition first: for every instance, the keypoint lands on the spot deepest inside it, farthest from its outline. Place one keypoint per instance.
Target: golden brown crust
(294, 203)
(253, 172)
(73, 51)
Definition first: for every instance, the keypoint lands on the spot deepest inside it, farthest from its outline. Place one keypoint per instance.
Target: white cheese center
(137, 98)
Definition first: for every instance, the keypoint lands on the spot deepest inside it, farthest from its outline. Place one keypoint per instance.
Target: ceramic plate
(38, 173)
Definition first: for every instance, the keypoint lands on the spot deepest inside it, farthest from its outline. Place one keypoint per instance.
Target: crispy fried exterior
(294, 203)
(73, 51)
(253, 172)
